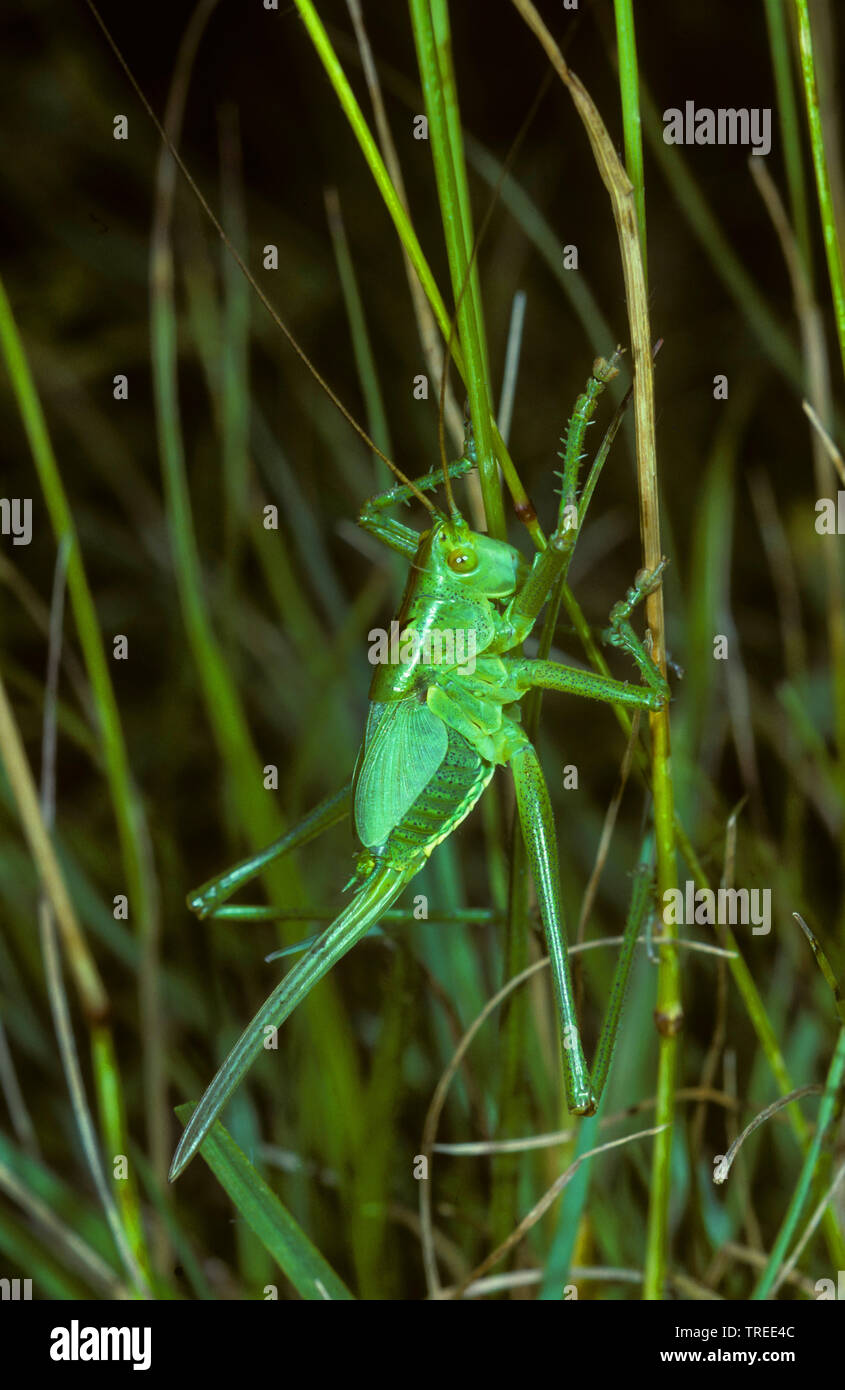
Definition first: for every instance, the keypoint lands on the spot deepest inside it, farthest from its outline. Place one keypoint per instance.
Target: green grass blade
(790, 129)
(372, 154)
(430, 20)
(311, 1275)
(128, 808)
(828, 1111)
(629, 88)
(833, 251)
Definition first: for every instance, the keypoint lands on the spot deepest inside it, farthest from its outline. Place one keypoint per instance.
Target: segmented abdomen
(446, 800)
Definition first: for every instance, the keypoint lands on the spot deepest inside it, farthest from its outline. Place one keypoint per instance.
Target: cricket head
(456, 554)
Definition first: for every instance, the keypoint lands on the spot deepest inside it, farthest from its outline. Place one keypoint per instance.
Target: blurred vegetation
(247, 647)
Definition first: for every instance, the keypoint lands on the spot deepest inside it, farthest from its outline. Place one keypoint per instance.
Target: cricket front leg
(537, 821)
(393, 534)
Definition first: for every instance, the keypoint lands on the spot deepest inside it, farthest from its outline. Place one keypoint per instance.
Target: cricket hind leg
(583, 1089)
(537, 822)
(208, 900)
(377, 893)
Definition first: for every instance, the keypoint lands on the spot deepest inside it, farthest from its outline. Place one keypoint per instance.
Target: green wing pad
(404, 745)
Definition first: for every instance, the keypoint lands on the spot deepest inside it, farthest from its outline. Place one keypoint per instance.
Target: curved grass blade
(311, 1275)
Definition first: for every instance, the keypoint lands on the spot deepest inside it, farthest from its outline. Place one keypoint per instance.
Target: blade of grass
(668, 1011)
(790, 130)
(432, 37)
(629, 90)
(13, 1096)
(370, 150)
(828, 1113)
(95, 1005)
(311, 1275)
(128, 807)
(50, 1278)
(409, 240)
(817, 373)
(426, 325)
(830, 232)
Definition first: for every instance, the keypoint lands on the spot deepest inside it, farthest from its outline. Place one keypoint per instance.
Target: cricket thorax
(449, 614)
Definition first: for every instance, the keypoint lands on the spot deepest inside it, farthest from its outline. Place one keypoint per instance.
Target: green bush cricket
(435, 734)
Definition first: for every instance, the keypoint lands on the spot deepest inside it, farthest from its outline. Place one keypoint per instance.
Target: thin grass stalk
(826, 23)
(426, 326)
(133, 832)
(830, 233)
(629, 87)
(411, 244)
(513, 349)
(828, 1112)
(833, 252)
(668, 1012)
(790, 129)
(13, 1096)
(448, 91)
(92, 994)
(62, 1236)
(372, 155)
(432, 38)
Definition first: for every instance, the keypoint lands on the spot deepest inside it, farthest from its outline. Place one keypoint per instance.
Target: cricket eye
(462, 561)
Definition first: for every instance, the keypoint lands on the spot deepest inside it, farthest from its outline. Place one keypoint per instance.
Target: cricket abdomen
(444, 802)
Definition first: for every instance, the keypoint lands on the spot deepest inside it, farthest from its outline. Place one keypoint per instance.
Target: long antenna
(245, 270)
